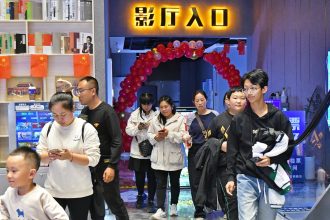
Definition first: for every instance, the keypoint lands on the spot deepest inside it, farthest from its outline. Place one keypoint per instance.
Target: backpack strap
(83, 131)
(49, 127)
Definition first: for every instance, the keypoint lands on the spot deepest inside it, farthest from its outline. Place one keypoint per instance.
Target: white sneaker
(173, 211)
(160, 214)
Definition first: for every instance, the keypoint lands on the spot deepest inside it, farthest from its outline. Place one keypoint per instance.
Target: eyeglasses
(252, 89)
(62, 115)
(79, 91)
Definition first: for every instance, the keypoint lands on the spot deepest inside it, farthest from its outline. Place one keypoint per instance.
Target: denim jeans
(251, 199)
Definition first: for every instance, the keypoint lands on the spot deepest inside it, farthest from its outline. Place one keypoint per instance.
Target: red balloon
(184, 46)
(160, 48)
(199, 52)
(226, 60)
(148, 71)
(169, 45)
(155, 63)
(149, 55)
(189, 53)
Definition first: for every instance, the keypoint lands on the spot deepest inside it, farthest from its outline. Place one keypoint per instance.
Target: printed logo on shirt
(20, 213)
(96, 125)
(76, 138)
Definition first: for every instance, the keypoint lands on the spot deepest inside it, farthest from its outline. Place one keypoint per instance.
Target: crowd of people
(222, 165)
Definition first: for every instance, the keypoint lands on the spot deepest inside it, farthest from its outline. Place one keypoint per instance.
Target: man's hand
(108, 175)
(224, 146)
(230, 186)
(263, 162)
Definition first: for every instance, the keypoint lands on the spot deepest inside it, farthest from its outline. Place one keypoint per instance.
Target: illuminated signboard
(149, 17)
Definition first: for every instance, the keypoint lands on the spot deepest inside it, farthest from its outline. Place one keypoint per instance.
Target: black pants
(78, 207)
(161, 178)
(140, 177)
(227, 202)
(110, 192)
(194, 176)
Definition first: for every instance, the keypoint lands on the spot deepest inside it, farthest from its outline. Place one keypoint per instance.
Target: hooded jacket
(240, 139)
(167, 154)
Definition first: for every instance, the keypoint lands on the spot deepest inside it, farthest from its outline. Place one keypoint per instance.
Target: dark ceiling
(143, 43)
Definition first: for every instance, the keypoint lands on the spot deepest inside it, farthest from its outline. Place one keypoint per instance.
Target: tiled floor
(298, 203)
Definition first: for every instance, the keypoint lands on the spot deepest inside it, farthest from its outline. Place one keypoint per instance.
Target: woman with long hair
(165, 133)
(137, 127)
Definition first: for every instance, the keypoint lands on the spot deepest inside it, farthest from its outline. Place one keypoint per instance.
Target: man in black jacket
(252, 191)
(235, 102)
(106, 174)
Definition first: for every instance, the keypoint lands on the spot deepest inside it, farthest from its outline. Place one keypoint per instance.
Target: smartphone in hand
(55, 151)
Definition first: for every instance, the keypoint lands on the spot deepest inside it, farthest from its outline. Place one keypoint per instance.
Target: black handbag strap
(199, 120)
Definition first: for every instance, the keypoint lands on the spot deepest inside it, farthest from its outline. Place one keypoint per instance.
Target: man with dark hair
(106, 174)
(252, 190)
(88, 46)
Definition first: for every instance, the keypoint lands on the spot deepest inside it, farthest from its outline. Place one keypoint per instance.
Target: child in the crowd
(24, 199)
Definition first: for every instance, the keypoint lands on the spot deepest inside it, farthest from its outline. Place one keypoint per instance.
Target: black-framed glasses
(252, 89)
(79, 91)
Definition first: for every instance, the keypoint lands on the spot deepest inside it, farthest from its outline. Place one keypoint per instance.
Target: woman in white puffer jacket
(166, 133)
(137, 127)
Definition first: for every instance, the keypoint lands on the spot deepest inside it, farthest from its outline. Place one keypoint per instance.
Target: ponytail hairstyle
(168, 100)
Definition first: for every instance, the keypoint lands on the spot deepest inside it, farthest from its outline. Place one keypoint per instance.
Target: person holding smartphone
(69, 146)
(137, 127)
(166, 133)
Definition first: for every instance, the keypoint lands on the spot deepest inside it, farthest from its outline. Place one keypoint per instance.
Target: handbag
(145, 147)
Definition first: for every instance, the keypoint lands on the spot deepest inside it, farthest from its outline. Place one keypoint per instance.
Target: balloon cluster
(241, 47)
(142, 68)
(221, 63)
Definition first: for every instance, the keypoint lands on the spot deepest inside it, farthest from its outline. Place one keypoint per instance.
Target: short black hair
(65, 97)
(257, 77)
(93, 81)
(90, 38)
(230, 92)
(29, 154)
(202, 92)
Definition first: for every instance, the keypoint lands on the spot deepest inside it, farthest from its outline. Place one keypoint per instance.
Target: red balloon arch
(142, 68)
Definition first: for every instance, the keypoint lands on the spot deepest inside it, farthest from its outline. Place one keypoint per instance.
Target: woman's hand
(65, 155)
(159, 138)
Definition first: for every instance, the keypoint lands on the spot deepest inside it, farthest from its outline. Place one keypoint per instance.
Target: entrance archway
(145, 63)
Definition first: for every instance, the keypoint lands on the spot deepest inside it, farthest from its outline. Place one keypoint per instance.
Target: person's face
(146, 107)
(19, 171)
(89, 40)
(61, 115)
(254, 93)
(200, 102)
(236, 102)
(165, 109)
(85, 92)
